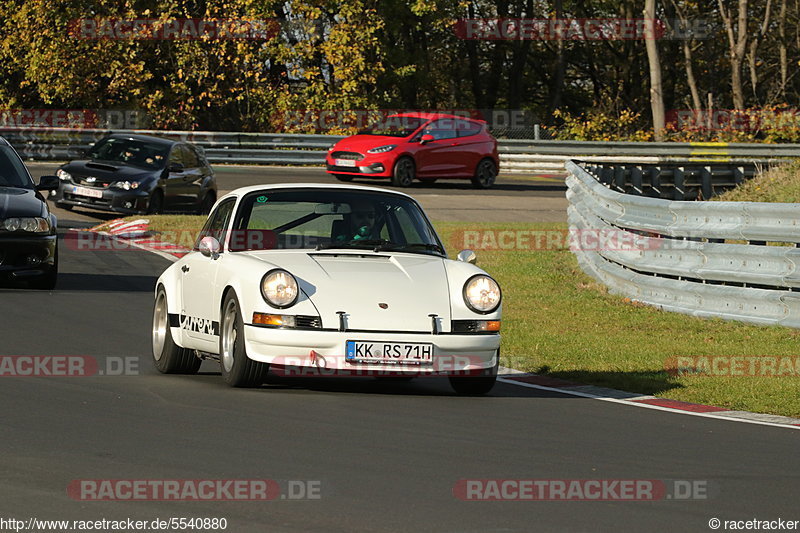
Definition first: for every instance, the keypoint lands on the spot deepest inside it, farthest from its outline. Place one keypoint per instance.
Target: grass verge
(560, 322)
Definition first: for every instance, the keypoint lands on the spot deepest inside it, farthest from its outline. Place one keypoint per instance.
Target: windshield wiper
(359, 243)
(409, 246)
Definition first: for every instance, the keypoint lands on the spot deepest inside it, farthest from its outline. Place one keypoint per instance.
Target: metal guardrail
(683, 260)
(516, 155)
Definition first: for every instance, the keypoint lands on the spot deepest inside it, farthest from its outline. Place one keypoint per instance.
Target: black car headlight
(482, 294)
(63, 175)
(26, 224)
(125, 185)
(279, 288)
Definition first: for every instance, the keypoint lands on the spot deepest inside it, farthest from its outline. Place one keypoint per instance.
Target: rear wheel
(404, 172)
(485, 174)
(206, 204)
(169, 358)
(344, 177)
(238, 370)
(156, 204)
(476, 385)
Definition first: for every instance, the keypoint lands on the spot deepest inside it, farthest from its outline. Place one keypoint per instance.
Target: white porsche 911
(329, 279)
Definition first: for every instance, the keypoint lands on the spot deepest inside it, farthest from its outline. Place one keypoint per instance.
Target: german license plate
(402, 353)
(83, 191)
(345, 163)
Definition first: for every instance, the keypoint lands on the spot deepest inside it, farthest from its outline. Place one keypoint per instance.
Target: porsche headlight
(382, 149)
(482, 294)
(27, 224)
(279, 288)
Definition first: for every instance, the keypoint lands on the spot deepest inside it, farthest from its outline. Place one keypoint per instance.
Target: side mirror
(175, 167)
(209, 247)
(48, 183)
(467, 256)
(426, 139)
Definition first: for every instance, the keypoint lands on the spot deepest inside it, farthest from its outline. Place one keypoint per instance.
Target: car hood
(16, 202)
(108, 171)
(410, 287)
(362, 143)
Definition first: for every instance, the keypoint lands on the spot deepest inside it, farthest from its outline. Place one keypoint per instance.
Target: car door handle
(185, 268)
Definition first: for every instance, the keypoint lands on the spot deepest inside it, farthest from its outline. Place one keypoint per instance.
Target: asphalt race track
(385, 456)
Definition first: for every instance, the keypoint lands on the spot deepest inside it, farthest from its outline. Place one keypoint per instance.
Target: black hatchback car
(138, 174)
(28, 241)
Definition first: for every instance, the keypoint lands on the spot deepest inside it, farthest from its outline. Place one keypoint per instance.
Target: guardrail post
(606, 175)
(654, 175)
(619, 178)
(705, 181)
(636, 179)
(738, 175)
(677, 179)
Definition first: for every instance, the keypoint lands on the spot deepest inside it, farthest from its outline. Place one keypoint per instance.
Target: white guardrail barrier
(677, 255)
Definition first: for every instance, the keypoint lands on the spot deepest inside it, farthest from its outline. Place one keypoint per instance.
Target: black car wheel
(47, 281)
(237, 369)
(168, 357)
(404, 172)
(476, 385)
(206, 204)
(485, 174)
(156, 204)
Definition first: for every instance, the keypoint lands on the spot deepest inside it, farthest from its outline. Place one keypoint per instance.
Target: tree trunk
(754, 49)
(656, 91)
(737, 45)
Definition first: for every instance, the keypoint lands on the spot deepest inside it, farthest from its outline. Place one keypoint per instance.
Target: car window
(217, 222)
(197, 154)
(441, 129)
(311, 218)
(134, 152)
(190, 159)
(12, 171)
(177, 155)
(467, 128)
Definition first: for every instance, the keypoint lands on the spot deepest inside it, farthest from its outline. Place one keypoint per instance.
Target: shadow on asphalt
(464, 185)
(105, 283)
(438, 386)
(652, 382)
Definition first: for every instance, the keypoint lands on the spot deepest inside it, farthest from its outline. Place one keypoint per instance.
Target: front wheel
(156, 204)
(476, 385)
(404, 172)
(169, 358)
(485, 174)
(47, 281)
(237, 369)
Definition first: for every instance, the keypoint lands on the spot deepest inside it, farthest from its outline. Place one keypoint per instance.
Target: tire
(485, 174)
(237, 369)
(206, 204)
(476, 385)
(156, 204)
(168, 357)
(47, 281)
(404, 172)
(65, 207)
(344, 177)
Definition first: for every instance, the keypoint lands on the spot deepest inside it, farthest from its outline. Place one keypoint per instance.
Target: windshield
(12, 171)
(131, 152)
(327, 219)
(395, 126)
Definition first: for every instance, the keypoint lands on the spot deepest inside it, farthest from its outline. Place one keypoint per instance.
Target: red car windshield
(394, 126)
